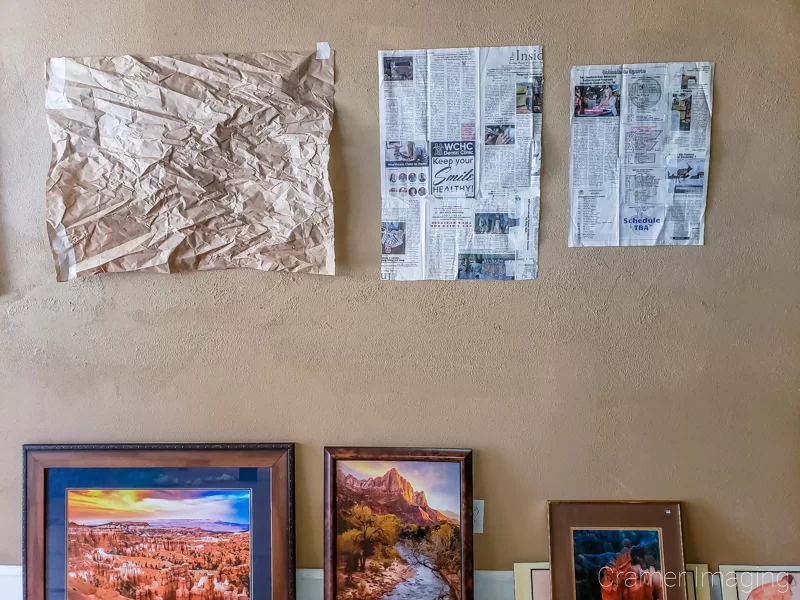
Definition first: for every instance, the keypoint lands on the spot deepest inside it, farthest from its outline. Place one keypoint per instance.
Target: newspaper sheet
(193, 162)
(460, 154)
(640, 144)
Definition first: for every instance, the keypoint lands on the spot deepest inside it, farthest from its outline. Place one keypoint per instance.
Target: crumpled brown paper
(179, 163)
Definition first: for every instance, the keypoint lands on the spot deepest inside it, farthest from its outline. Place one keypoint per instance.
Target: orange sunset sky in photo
(101, 506)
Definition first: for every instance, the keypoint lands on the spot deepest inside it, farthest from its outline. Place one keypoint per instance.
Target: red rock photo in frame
(158, 544)
(158, 521)
(398, 530)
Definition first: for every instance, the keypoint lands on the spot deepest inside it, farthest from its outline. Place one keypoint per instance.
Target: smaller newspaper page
(640, 141)
(460, 156)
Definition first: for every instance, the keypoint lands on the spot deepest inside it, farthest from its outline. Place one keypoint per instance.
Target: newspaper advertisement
(460, 156)
(640, 142)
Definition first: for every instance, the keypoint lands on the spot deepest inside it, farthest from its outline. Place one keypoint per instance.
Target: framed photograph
(616, 551)
(143, 522)
(698, 582)
(398, 524)
(532, 581)
(749, 582)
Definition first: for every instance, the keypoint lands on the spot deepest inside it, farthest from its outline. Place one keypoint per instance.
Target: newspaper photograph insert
(640, 147)
(460, 154)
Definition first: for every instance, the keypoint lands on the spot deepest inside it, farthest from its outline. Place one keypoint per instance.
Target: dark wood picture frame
(566, 516)
(462, 456)
(278, 457)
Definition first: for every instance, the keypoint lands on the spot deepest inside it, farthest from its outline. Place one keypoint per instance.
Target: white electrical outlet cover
(477, 516)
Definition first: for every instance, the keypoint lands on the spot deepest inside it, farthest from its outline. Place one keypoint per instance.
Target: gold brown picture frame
(564, 517)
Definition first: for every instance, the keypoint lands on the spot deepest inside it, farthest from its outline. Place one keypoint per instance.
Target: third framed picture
(616, 551)
(759, 582)
(398, 524)
(532, 581)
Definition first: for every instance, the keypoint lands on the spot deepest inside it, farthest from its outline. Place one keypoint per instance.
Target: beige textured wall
(661, 373)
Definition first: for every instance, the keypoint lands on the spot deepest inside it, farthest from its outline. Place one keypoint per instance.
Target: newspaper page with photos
(460, 155)
(641, 136)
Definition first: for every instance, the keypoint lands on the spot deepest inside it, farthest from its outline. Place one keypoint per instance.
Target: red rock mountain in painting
(389, 494)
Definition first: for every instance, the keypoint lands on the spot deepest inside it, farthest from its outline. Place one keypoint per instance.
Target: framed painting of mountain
(159, 522)
(398, 524)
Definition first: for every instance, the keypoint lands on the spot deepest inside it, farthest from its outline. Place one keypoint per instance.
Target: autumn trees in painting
(438, 549)
(369, 536)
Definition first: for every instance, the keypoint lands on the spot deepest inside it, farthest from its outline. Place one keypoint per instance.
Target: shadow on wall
(5, 233)
(699, 518)
(337, 173)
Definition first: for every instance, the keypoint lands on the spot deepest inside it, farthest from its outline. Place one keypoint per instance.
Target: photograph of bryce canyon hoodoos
(398, 530)
(158, 544)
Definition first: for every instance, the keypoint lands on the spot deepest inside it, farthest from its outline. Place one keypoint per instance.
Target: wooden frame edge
(283, 525)
(329, 509)
(33, 527)
(550, 502)
(397, 453)
(467, 533)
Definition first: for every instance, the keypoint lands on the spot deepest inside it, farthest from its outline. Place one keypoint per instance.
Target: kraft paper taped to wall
(181, 163)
